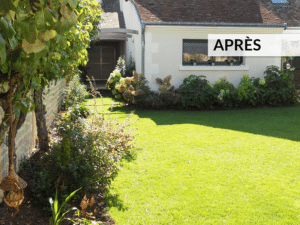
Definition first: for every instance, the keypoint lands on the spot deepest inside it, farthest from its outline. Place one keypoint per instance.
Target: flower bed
(275, 89)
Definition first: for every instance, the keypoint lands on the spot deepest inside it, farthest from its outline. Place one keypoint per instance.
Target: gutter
(214, 24)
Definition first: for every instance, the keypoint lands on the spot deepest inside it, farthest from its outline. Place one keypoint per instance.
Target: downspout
(143, 49)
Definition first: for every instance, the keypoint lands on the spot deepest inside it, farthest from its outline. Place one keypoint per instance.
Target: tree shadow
(114, 201)
(132, 155)
(280, 122)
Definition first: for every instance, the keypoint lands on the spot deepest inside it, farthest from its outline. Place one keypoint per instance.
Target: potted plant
(193, 62)
(213, 62)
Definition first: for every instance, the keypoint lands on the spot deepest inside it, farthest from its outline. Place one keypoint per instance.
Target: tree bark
(40, 113)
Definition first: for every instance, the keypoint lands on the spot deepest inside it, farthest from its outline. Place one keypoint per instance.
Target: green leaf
(13, 42)
(67, 200)
(6, 5)
(2, 43)
(44, 19)
(66, 23)
(4, 67)
(24, 104)
(33, 48)
(7, 28)
(72, 3)
(16, 111)
(19, 66)
(48, 34)
(28, 30)
(4, 124)
(3, 57)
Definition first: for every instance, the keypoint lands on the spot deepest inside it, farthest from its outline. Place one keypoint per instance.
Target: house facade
(163, 36)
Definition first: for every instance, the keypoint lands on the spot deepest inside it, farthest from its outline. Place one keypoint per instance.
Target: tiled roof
(229, 11)
(289, 15)
(112, 16)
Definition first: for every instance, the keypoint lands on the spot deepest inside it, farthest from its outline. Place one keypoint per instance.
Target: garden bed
(31, 214)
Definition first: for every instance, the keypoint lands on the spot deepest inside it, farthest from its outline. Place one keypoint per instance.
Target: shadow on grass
(132, 155)
(280, 122)
(114, 201)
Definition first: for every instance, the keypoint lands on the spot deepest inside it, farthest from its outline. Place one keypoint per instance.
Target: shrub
(260, 90)
(196, 92)
(280, 87)
(113, 79)
(75, 92)
(129, 68)
(246, 92)
(144, 96)
(78, 111)
(121, 65)
(85, 154)
(167, 97)
(226, 97)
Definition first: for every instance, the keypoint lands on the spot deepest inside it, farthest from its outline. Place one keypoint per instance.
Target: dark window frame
(205, 63)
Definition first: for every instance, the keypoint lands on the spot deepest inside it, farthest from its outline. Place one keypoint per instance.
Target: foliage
(226, 90)
(135, 90)
(78, 111)
(196, 92)
(280, 87)
(130, 67)
(113, 79)
(39, 42)
(145, 95)
(75, 92)
(126, 70)
(86, 155)
(245, 91)
(122, 87)
(166, 97)
(121, 65)
(56, 219)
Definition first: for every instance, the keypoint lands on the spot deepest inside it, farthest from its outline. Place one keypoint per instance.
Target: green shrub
(196, 92)
(280, 87)
(75, 92)
(246, 92)
(86, 154)
(78, 111)
(226, 90)
(129, 68)
(113, 79)
(260, 90)
(121, 65)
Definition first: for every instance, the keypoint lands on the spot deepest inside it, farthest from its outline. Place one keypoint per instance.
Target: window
(197, 50)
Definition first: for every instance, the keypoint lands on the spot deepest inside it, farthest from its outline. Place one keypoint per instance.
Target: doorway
(103, 56)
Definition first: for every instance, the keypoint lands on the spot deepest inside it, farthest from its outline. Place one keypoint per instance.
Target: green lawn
(210, 167)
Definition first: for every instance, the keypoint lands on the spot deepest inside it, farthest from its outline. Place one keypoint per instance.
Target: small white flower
(51, 201)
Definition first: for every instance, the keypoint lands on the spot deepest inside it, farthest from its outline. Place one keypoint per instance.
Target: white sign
(254, 45)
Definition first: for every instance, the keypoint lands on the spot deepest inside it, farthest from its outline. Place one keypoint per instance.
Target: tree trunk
(40, 113)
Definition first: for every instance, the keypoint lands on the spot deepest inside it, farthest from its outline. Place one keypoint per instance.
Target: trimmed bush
(226, 90)
(246, 92)
(196, 92)
(280, 87)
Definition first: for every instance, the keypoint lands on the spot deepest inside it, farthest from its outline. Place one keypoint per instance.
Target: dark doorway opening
(103, 56)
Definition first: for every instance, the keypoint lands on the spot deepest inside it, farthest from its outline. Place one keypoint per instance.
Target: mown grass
(210, 167)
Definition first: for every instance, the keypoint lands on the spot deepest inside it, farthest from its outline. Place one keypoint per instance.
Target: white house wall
(163, 54)
(134, 44)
